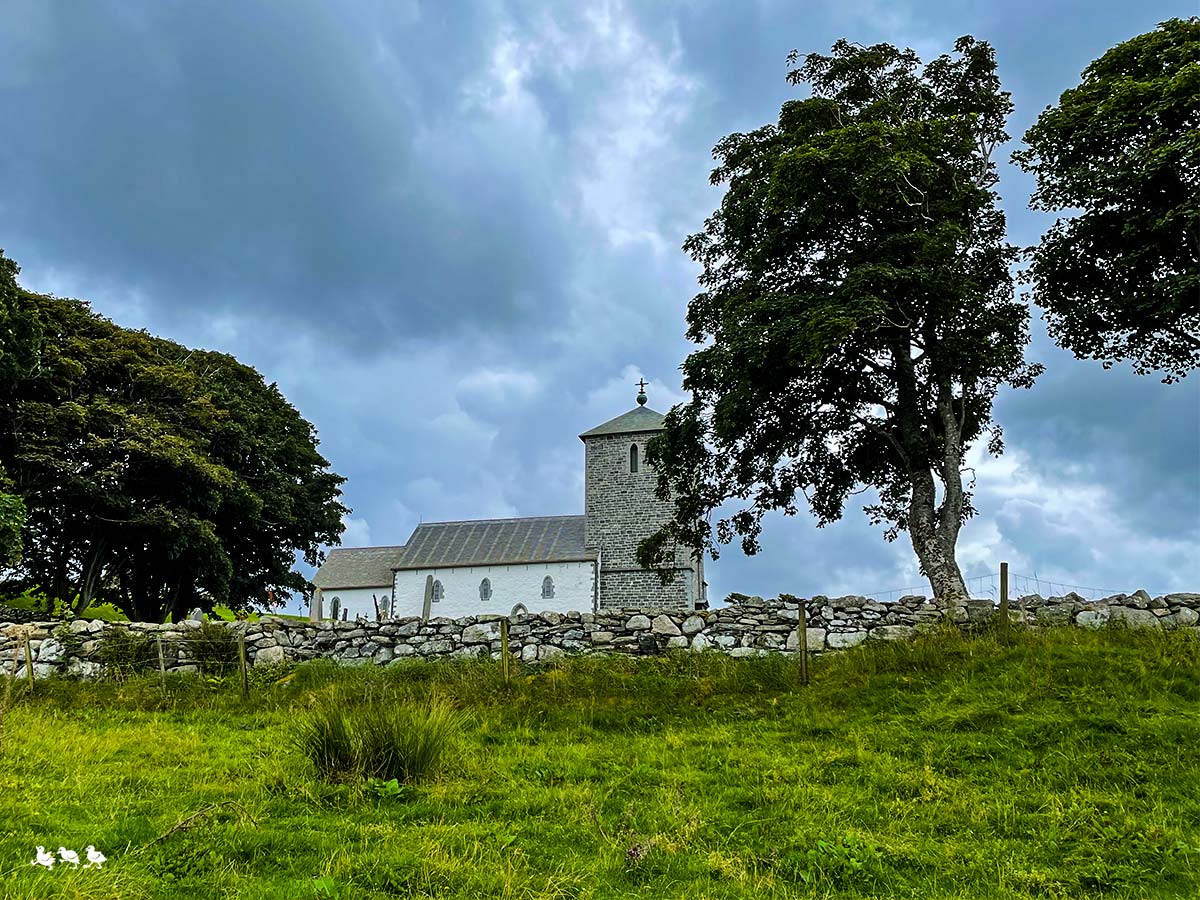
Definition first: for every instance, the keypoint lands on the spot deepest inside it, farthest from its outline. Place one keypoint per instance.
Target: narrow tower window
(485, 589)
(547, 588)
(633, 457)
(438, 591)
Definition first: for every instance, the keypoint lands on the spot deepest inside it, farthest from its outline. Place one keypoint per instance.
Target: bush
(124, 652)
(377, 741)
(326, 737)
(214, 648)
(403, 742)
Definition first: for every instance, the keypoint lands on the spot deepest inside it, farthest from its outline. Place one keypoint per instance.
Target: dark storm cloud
(280, 157)
(451, 232)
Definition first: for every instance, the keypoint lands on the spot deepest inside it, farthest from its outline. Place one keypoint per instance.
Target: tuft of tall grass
(326, 736)
(377, 740)
(404, 742)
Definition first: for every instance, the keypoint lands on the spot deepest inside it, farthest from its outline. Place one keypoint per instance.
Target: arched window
(547, 588)
(485, 589)
(438, 591)
(633, 457)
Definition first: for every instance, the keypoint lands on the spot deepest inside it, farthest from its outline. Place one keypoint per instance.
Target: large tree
(1119, 278)
(157, 477)
(18, 344)
(857, 309)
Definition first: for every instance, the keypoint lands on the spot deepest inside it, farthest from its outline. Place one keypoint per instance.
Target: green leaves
(12, 517)
(1120, 278)
(156, 477)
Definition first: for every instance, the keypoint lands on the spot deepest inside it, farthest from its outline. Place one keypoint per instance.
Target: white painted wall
(574, 584)
(356, 600)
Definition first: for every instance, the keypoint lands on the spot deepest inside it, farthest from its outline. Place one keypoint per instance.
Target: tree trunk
(934, 546)
(91, 569)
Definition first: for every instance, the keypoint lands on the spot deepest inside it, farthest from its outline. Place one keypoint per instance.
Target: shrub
(214, 648)
(326, 736)
(404, 742)
(124, 652)
(377, 741)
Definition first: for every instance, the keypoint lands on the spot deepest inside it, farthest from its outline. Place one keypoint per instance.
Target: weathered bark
(933, 529)
(934, 545)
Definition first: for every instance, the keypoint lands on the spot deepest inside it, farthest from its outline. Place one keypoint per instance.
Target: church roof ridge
(372, 547)
(638, 419)
(496, 520)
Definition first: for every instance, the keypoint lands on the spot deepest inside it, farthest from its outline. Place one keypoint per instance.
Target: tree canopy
(18, 340)
(856, 308)
(157, 477)
(1119, 278)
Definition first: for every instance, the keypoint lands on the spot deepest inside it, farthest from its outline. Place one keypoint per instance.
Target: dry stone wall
(750, 627)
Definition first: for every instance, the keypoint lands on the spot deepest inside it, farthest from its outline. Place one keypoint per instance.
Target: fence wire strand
(983, 587)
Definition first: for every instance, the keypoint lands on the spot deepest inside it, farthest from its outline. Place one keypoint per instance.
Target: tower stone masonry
(622, 510)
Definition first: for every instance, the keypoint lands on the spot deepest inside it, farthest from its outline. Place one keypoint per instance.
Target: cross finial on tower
(641, 397)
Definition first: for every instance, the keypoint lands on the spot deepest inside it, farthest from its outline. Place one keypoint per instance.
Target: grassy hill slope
(1062, 766)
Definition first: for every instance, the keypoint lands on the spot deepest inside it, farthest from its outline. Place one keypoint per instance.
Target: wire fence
(981, 587)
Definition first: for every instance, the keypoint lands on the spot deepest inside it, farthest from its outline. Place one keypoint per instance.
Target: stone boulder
(1133, 618)
(664, 625)
(893, 633)
(268, 655)
(814, 636)
(839, 640)
(481, 634)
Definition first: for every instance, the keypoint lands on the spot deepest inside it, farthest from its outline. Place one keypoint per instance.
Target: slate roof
(640, 418)
(491, 542)
(354, 567)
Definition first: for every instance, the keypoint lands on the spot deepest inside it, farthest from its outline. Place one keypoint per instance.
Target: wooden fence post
(162, 664)
(28, 660)
(1004, 623)
(802, 642)
(505, 656)
(242, 666)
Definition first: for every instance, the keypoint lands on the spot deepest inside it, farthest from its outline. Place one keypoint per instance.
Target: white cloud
(357, 533)
(499, 386)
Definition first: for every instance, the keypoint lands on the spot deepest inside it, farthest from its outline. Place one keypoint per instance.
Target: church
(543, 563)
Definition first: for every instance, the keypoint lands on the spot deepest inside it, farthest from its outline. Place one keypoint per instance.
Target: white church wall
(356, 600)
(574, 584)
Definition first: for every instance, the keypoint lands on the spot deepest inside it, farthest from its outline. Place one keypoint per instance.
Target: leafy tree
(857, 308)
(1120, 278)
(159, 478)
(18, 339)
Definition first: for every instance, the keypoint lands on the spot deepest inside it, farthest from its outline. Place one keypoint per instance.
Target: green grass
(1062, 766)
(106, 612)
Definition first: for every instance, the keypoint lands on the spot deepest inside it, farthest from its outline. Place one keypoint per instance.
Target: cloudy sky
(451, 232)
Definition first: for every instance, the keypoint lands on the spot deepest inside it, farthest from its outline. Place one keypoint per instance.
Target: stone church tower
(621, 510)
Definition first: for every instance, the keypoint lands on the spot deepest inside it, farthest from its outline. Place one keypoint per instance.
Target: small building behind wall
(357, 578)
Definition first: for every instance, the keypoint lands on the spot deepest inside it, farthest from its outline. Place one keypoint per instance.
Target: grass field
(1066, 765)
